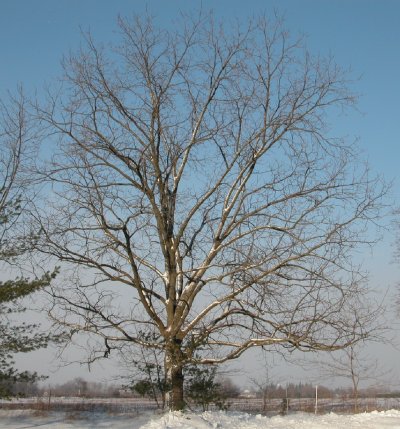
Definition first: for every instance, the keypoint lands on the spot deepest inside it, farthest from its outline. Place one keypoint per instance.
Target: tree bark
(174, 376)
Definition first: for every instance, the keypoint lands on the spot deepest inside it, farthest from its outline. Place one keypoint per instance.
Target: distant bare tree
(145, 372)
(197, 193)
(353, 364)
(265, 386)
(396, 215)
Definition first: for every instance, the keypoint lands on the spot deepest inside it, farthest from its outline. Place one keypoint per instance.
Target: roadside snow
(374, 420)
(28, 419)
(210, 420)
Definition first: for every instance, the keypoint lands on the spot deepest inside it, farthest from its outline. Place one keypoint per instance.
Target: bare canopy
(198, 190)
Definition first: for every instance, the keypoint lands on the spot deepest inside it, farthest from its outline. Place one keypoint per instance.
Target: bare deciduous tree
(198, 194)
(145, 373)
(353, 364)
(397, 254)
(265, 384)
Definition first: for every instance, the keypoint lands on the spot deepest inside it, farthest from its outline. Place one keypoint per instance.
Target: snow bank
(211, 420)
(374, 420)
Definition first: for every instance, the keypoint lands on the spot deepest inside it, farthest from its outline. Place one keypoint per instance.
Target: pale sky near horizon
(361, 35)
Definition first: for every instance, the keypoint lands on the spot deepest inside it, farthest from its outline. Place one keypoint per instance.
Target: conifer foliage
(15, 140)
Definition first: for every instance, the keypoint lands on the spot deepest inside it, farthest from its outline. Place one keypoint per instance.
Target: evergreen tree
(202, 387)
(15, 137)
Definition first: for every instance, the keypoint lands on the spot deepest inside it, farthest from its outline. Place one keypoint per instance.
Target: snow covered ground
(213, 420)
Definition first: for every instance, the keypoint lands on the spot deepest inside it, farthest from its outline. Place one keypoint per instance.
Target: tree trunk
(174, 376)
(175, 399)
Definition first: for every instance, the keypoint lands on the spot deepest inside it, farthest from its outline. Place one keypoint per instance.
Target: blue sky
(362, 35)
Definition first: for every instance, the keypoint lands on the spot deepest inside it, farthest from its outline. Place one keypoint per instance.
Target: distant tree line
(205, 388)
(307, 390)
